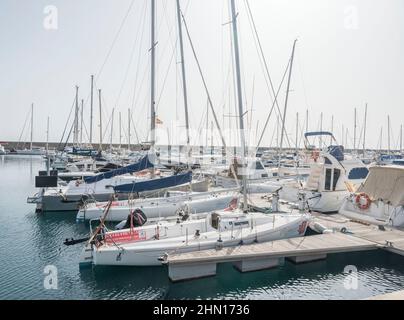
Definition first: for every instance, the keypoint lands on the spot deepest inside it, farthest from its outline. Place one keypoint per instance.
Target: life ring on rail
(359, 201)
(315, 154)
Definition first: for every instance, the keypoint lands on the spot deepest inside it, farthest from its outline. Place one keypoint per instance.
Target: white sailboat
(161, 207)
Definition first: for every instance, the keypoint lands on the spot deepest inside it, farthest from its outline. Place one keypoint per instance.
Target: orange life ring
(363, 206)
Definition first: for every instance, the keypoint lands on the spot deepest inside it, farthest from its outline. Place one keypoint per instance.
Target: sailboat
(145, 245)
(171, 204)
(32, 151)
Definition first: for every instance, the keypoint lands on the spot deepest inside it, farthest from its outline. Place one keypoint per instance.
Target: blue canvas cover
(154, 184)
(142, 164)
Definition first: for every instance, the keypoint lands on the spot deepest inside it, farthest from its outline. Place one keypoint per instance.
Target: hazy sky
(348, 53)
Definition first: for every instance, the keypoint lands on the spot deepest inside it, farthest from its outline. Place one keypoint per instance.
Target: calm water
(29, 242)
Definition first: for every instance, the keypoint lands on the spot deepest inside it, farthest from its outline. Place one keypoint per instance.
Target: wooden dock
(263, 255)
(346, 236)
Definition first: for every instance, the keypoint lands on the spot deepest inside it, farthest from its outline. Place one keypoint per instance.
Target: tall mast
(287, 96)
(354, 134)
(99, 102)
(388, 133)
(112, 130)
(47, 136)
(307, 120)
(81, 121)
(297, 128)
(91, 107)
(184, 82)
(120, 131)
(342, 136)
(401, 138)
(76, 119)
(152, 77)
(332, 127)
(32, 125)
(240, 101)
(364, 129)
(128, 129)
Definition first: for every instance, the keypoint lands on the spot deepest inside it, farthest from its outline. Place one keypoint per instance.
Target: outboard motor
(137, 217)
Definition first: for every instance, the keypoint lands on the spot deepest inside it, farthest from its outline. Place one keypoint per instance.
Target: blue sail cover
(154, 184)
(142, 164)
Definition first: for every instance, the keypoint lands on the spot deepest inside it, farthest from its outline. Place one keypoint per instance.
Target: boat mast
(152, 71)
(91, 107)
(184, 82)
(287, 98)
(81, 121)
(388, 133)
(307, 120)
(297, 129)
(354, 136)
(332, 127)
(120, 131)
(99, 102)
(76, 119)
(364, 128)
(240, 102)
(342, 136)
(32, 125)
(112, 130)
(128, 129)
(401, 138)
(47, 136)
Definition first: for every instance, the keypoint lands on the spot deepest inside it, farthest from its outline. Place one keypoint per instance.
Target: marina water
(32, 243)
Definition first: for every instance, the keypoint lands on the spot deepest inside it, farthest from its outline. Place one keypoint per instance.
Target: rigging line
(138, 61)
(302, 78)
(265, 62)
(134, 128)
(203, 80)
(111, 48)
(23, 128)
(273, 106)
(115, 39)
(165, 78)
(131, 58)
(67, 122)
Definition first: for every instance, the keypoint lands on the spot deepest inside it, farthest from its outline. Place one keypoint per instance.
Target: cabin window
(258, 166)
(358, 173)
(327, 185)
(327, 161)
(337, 173)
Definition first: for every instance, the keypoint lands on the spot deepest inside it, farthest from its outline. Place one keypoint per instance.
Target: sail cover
(385, 183)
(142, 164)
(154, 184)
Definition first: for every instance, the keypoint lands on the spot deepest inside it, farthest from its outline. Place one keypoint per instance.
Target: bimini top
(318, 133)
(385, 183)
(143, 163)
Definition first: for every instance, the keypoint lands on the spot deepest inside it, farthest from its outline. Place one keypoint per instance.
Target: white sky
(348, 53)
